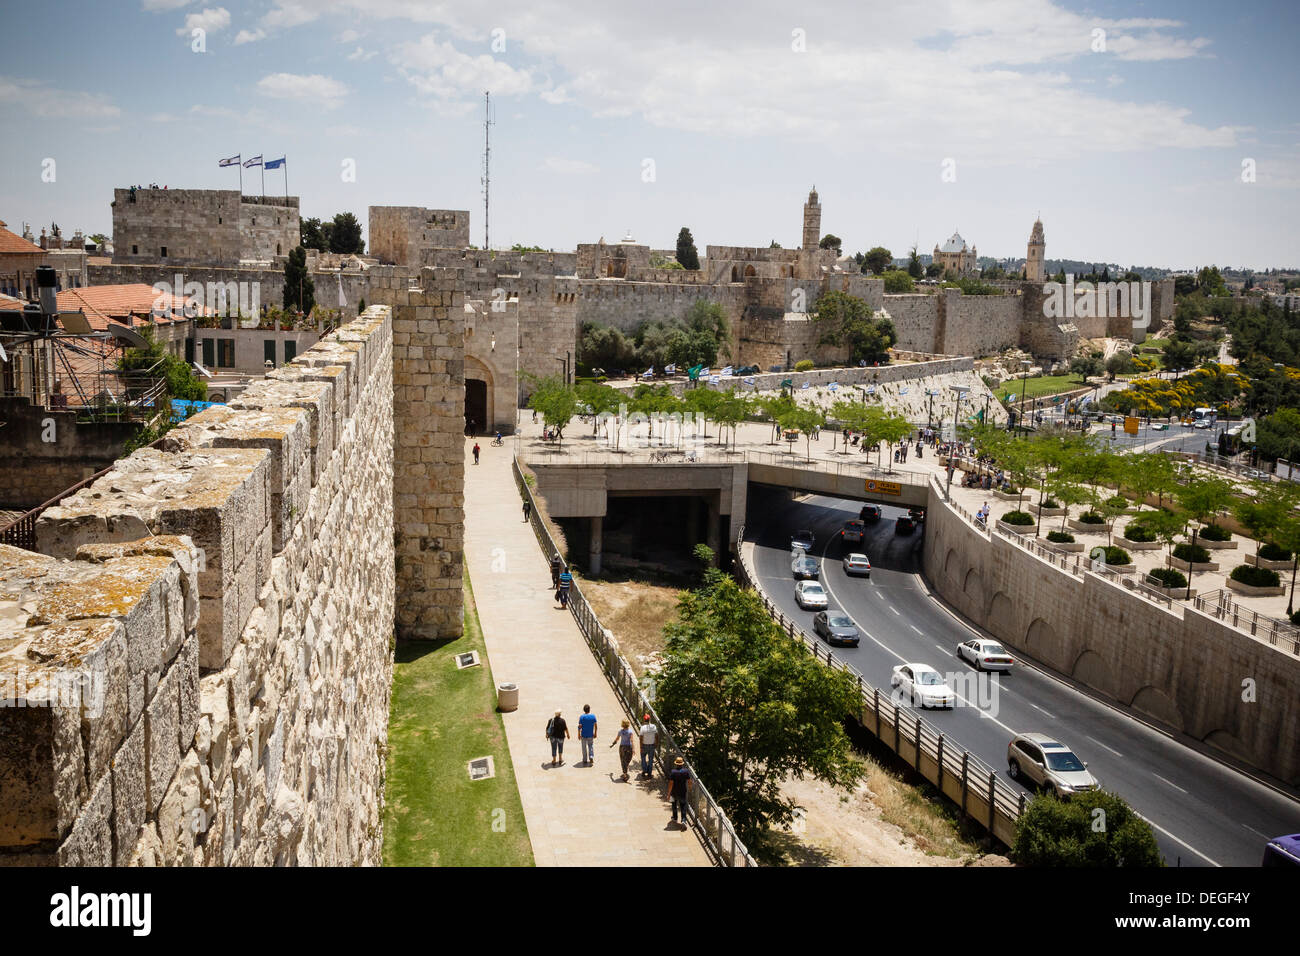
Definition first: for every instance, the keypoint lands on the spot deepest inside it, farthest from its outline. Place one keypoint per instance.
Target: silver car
(1040, 760)
(810, 595)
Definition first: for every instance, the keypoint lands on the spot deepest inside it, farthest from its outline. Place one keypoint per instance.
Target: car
(857, 565)
(985, 655)
(924, 685)
(804, 566)
(802, 539)
(870, 513)
(916, 514)
(810, 595)
(1044, 762)
(904, 525)
(1282, 851)
(854, 531)
(1203, 423)
(837, 627)
(1160, 427)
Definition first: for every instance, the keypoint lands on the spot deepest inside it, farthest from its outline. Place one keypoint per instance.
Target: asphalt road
(1204, 813)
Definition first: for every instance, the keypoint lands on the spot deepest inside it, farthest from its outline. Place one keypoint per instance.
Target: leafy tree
(1210, 281)
(881, 426)
(1264, 508)
(600, 398)
(731, 411)
(897, 281)
(850, 414)
(806, 420)
(774, 245)
(775, 407)
(1287, 535)
(749, 707)
(847, 320)
(707, 326)
(555, 399)
(830, 241)
(877, 260)
(312, 235)
(1278, 435)
(604, 346)
(1085, 366)
(1054, 832)
(1201, 499)
(933, 270)
(299, 289)
(345, 234)
(914, 267)
(1121, 363)
(686, 252)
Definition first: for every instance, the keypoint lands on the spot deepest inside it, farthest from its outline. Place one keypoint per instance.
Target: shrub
(1272, 552)
(1295, 618)
(1135, 532)
(1212, 532)
(1060, 537)
(1018, 518)
(803, 365)
(1117, 556)
(1055, 832)
(1091, 517)
(1117, 502)
(1255, 577)
(1051, 503)
(1191, 553)
(1169, 577)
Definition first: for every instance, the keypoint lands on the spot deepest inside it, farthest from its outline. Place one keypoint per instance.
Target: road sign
(883, 487)
(1131, 425)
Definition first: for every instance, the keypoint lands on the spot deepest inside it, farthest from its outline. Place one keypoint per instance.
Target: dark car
(803, 566)
(837, 627)
(904, 525)
(869, 513)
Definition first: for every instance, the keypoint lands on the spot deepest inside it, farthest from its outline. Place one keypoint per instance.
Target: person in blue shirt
(562, 592)
(587, 735)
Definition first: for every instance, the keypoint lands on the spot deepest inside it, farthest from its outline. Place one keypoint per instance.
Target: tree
(1210, 282)
(1121, 363)
(1263, 510)
(830, 241)
(847, 320)
(1278, 435)
(600, 399)
(749, 707)
(709, 331)
(877, 260)
(774, 407)
(1093, 828)
(556, 400)
(686, 252)
(774, 245)
(299, 289)
(1085, 366)
(806, 420)
(345, 234)
(914, 267)
(897, 281)
(603, 346)
(312, 235)
(1287, 535)
(933, 270)
(731, 411)
(883, 427)
(1200, 500)
(850, 414)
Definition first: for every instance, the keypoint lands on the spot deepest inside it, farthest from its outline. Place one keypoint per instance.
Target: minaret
(1034, 261)
(812, 222)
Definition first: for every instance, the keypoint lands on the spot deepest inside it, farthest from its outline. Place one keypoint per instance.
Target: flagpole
(264, 180)
(285, 163)
(240, 164)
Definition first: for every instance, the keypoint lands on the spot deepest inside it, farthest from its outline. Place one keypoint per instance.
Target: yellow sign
(883, 487)
(1130, 425)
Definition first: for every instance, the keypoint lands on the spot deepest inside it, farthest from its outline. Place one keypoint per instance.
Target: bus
(1204, 418)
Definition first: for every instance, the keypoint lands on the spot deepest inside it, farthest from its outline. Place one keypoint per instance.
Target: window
(290, 350)
(163, 251)
(210, 353)
(218, 220)
(225, 353)
(135, 250)
(268, 350)
(189, 351)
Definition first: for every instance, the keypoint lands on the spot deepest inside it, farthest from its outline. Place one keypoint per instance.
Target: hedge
(1116, 556)
(1051, 503)
(1255, 577)
(1212, 532)
(1091, 517)
(1060, 537)
(1135, 532)
(1117, 501)
(1018, 518)
(1191, 553)
(1295, 618)
(803, 365)
(1273, 552)
(1170, 577)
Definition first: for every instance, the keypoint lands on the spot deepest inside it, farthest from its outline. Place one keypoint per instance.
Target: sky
(1155, 134)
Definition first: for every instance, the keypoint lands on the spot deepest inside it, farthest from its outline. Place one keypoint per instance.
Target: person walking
(587, 735)
(624, 740)
(528, 508)
(556, 731)
(649, 738)
(566, 582)
(679, 785)
(557, 565)
(476, 451)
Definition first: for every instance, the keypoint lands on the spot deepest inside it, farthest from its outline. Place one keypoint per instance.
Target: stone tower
(812, 221)
(1034, 262)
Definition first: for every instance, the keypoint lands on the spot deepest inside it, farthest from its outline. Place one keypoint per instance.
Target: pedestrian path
(577, 815)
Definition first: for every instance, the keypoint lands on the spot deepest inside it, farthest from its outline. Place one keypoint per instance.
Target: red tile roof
(102, 302)
(13, 244)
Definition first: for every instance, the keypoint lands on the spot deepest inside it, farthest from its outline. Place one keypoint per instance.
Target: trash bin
(507, 697)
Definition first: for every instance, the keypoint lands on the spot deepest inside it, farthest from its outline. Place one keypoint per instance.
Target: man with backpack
(566, 582)
(557, 565)
(556, 731)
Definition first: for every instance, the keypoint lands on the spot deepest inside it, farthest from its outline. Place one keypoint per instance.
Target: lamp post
(1025, 364)
(961, 391)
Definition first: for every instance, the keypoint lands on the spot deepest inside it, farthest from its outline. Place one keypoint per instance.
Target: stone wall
(915, 317)
(872, 375)
(408, 235)
(217, 616)
(1180, 668)
(979, 324)
(211, 227)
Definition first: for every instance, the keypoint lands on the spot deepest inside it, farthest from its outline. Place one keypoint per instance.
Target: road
(1204, 813)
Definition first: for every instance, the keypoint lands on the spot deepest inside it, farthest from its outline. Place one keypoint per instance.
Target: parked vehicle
(810, 595)
(837, 627)
(870, 513)
(904, 525)
(924, 685)
(803, 566)
(802, 539)
(985, 655)
(1042, 761)
(854, 531)
(856, 565)
(1282, 851)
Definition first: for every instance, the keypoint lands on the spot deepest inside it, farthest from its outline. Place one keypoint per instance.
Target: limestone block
(129, 793)
(214, 704)
(186, 666)
(181, 817)
(148, 849)
(289, 388)
(161, 736)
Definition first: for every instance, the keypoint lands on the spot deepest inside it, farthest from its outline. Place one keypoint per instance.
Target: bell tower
(1035, 264)
(812, 222)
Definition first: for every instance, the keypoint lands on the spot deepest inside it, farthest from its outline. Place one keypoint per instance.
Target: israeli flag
(804, 385)
(706, 371)
(902, 391)
(232, 161)
(748, 381)
(648, 373)
(670, 369)
(726, 371)
(255, 161)
(871, 389)
(714, 379)
(834, 386)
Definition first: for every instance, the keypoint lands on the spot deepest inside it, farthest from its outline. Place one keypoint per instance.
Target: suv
(869, 513)
(1040, 760)
(904, 525)
(853, 531)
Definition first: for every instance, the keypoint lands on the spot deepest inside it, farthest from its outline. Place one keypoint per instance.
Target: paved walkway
(577, 815)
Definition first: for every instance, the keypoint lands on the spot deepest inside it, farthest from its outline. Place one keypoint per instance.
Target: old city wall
(872, 375)
(409, 235)
(916, 319)
(43, 451)
(979, 324)
(268, 226)
(1181, 668)
(193, 225)
(217, 616)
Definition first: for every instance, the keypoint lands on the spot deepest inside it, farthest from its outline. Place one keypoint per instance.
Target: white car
(810, 595)
(857, 564)
(923, 685)
(986, 655)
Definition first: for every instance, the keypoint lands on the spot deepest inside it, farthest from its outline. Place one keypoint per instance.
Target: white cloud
(349, 36)
(289, 13)
(249, 36)
(568, 167)
(41, 100)
(449, 77)
(153, 6)
(362, 55)
(211, 20)
(321, 89)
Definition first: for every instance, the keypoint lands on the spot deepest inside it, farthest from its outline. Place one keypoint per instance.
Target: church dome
(955, 244)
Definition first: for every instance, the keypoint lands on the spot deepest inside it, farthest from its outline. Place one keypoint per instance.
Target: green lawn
(441, 719)
(1038, 387)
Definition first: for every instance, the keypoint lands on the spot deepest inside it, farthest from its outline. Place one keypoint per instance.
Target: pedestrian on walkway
(528, 507)
(476, 450)
(557, 565)
(649, 737)
(679, 785)
(587, 735)
(566, 582)
(624, 740)
(556, 731)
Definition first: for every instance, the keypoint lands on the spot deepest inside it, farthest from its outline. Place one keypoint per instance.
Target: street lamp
(961, 391)
(1025, 364)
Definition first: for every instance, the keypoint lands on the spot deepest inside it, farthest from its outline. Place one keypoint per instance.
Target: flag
(1010, 397)
(902, 392)
(726, 371)
(706, 371)
(833, 386)
(714, 380)
(670, 369)
(648, 373)
(749, 381)
(273, 163)
(1056, 399)
(786, 383)
(804, 385)
(232, 161)
(980, 416)
(255, 161)
(871, 389)
(694, 372)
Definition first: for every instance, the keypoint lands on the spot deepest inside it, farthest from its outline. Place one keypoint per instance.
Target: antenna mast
(487, 159)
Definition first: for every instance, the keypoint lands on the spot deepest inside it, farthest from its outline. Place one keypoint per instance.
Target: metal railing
(1220, 604)
(961, 776)
(719, 835)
